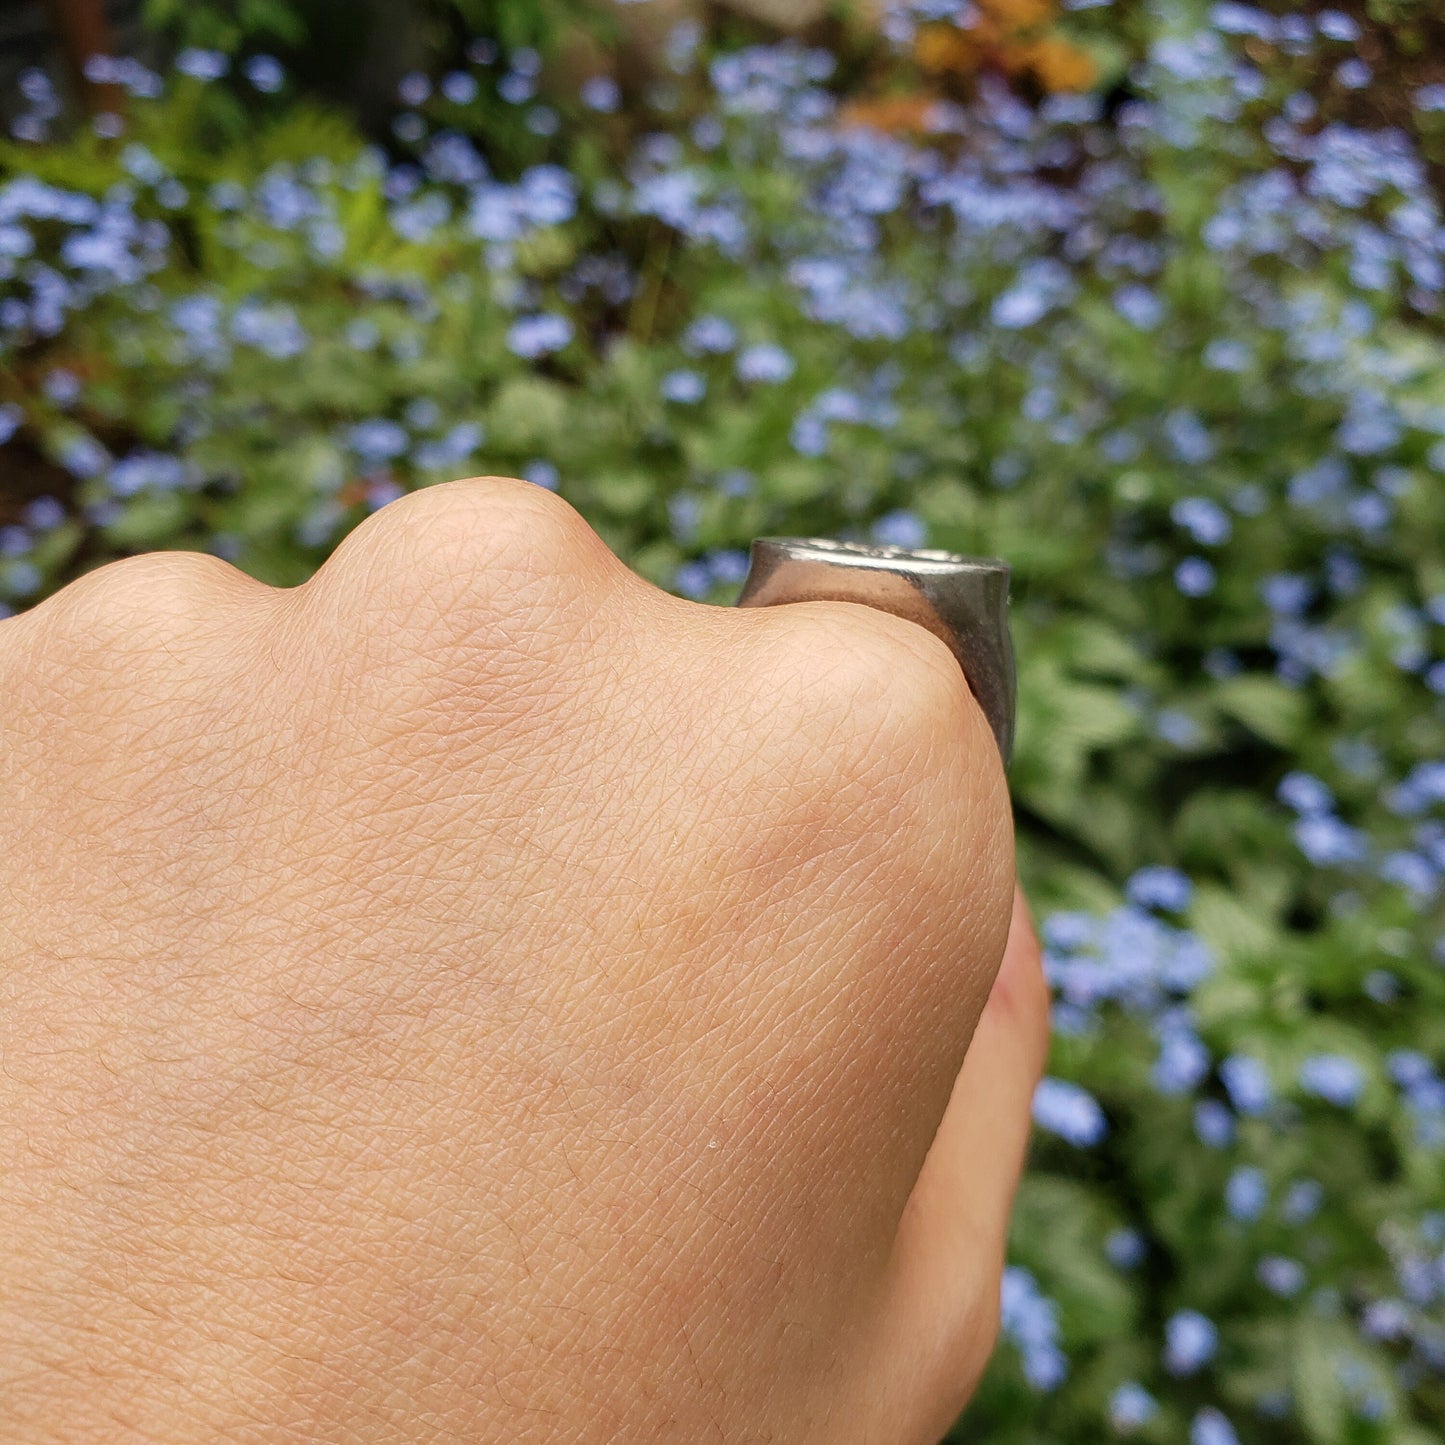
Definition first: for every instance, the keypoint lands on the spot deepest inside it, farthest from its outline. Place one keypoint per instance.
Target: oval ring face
(962, 600)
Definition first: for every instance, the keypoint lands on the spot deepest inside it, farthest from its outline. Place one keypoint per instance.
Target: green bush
(1180, 363)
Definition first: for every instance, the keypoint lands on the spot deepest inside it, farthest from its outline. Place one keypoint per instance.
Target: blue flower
(1422, 786)
(62, 387)
(362, 334)
(531, 337)
(413, 89)
(542, 473)
(83, 456)
(1386, 1319)
(1131, 1406)
(382, 492)
(1031, 1322)
(378, 440)
(1227, 354)
(1139, 306)
(1188, 437)
(1236, 19)
(1246, 1194)
(1182, 1064)
(1247, 1082)
(146, 470)
(1409, 1067)
(202, 65)
(422, 413)
(265, 73)
(600, 93)
(900, 529)
(547, 195)
(1160, 887)
(729, 566)
(516, 89)
(1125, 1248)
(15, 242)
(1286, 594)
(274, 329)
(452, 157)
(809, 434)
(1369, 511)
(1281, 1276)
(1332, 1077)
(44, 514)
(1194, 577)
(765, 362)
(1411, 871)
(1206, 521)
(1302, 1201)
(710, 335)
(1353, 73)
(459, 88)
(1306, 794)
(694, 580)
(1329, 843)
(1371, 425)
(318, 527)
(1038, 289)
(1070, 1112)
(1190, 1341)
(417, 221)
(1381, 986)
(673, 196)
(21, 579)
(684, 387)
(1213, 1124)
(1209, 1427)
(1336, 25)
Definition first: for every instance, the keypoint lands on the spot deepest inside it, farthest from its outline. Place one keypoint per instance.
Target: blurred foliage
(229, 27)
(1173, 351)
(233, 26)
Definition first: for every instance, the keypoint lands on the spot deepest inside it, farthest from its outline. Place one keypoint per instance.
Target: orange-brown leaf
(1020, 15)
(1058, 65)
(892, 114)
(942, 48)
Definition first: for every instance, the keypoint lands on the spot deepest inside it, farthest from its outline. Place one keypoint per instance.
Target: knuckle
(159, 595)
(469, 550)
(511, 526)
(893, 752)
(887, 695)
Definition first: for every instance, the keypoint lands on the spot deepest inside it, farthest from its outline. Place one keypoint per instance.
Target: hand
(478, 996)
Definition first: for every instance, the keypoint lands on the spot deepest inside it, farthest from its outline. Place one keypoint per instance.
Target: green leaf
(1265, 706)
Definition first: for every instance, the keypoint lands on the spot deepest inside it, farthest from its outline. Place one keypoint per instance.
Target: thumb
(948, 1258)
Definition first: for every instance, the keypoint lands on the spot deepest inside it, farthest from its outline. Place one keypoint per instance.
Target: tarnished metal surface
(963, 600)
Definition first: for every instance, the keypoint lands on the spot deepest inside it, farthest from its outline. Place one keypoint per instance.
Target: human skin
(478, 996)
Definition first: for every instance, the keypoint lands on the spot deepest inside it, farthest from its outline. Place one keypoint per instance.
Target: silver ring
(962, 600)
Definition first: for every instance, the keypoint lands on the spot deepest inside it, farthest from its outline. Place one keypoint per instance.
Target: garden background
(1143, 296)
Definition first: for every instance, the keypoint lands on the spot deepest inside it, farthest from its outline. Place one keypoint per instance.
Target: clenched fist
(477, 996)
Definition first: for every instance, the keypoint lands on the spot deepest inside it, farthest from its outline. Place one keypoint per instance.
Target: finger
(949, 1253)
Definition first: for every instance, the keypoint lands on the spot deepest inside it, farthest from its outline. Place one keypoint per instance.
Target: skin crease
(478, 996)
